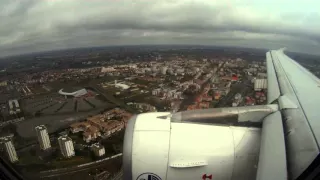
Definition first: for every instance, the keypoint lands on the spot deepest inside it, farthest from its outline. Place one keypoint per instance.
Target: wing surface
(298, 96)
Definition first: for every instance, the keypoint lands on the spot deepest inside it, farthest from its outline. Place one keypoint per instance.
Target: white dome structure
(120, 85)
(78, 93)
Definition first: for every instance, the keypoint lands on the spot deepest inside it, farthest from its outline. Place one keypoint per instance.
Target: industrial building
(98, 149)
(66, 146)
(43, 137)
(10, 150)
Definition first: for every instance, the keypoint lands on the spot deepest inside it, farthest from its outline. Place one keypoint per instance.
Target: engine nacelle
(157, 149)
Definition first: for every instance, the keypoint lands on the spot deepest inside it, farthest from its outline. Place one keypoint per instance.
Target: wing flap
(272, 157)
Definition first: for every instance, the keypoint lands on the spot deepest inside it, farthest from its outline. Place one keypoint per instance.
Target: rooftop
(40, 127)
(98, 146)
(64, 138)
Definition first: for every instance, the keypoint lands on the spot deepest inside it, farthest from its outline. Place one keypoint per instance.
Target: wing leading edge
(298, 96)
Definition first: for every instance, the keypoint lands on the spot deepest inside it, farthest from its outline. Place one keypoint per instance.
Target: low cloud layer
(39, 25)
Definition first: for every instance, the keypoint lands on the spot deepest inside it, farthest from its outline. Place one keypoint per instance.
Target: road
(240, 87)
(82, 172)
(189, 100)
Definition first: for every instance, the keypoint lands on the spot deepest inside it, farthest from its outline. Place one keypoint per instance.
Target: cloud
(38, 25)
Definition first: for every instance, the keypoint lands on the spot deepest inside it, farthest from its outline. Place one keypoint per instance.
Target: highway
(110, 164)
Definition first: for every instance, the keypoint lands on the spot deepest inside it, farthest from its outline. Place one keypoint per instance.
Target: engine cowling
(157, 149)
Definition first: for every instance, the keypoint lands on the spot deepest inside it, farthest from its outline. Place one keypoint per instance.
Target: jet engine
(222, 143)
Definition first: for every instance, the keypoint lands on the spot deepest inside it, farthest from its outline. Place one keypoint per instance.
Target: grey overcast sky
(40, 25)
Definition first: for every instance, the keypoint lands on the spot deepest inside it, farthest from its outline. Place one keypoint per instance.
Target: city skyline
(37, 25)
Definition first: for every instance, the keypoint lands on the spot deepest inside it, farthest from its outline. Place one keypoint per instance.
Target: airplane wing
(298, 92)
(274, 141)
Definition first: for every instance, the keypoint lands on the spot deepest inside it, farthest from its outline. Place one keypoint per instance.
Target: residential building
(107, 69)
(78, 127)
(170, 93)
(192, 107)
(91, 133)
(98, 149)
(164, 70)
(217, 95)
(10, 150)
(260, 84)
(237, 96)
(204, 105)
(207, 98)
(234, 77)
(112, 126)
(156, 92)
(249, 101)
(180, 70)
(175, 105)
(262, 75)
(145, 107)
(43, 137)
(177, 95)
(3, 83)
(14, 106)
(66, 146)
(102, 124)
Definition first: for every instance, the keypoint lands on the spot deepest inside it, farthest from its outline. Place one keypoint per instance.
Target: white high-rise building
(154, 69)
(98, 149)
(11, 151)
(43, 137)
(164, 70)
(260, 84)
(66, 146)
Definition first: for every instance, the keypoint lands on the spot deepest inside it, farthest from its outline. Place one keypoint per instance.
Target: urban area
(64, 113)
